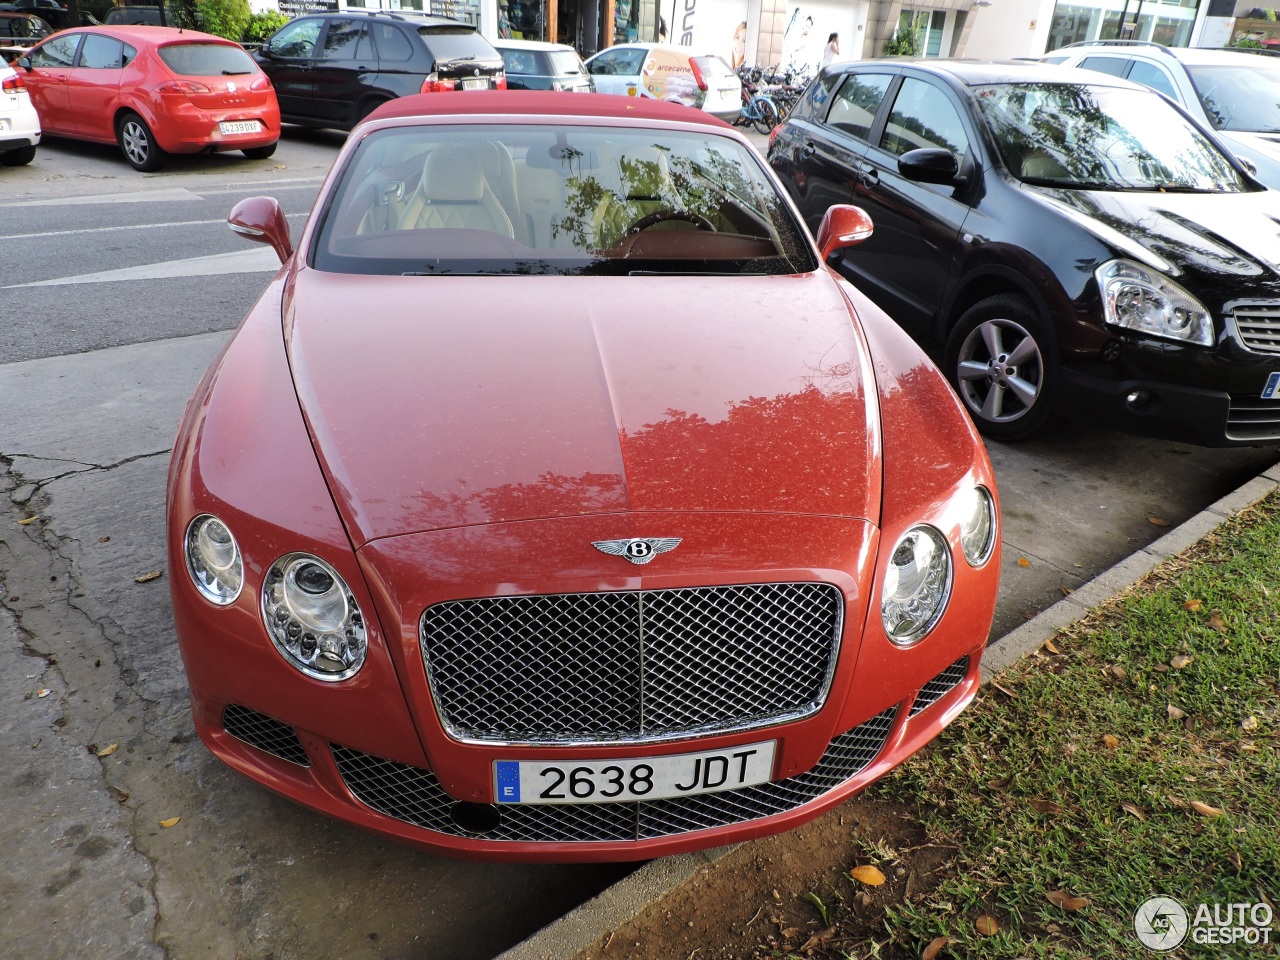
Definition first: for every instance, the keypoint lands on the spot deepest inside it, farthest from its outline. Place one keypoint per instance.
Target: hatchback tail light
(697, 74)
(262, 83)
(500, 83)
(184, 87)
(557, 85)
(435, 85)
(12, 84)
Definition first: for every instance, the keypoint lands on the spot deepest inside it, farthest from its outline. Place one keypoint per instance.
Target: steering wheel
(662, 216)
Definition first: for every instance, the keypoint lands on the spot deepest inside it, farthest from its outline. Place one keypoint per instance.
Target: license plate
(1272, 390)
(4, 125)
(475, 84)
(626, 781)
(240, 126)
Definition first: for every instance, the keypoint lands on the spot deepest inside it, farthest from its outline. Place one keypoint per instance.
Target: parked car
(665, 72)
(19, 32)
(677, 541)
(535, 65)
(1080, 246)
(57, 15)
(19, 123)
(137, 15)
(1235, 94)
(154, 91)
(333, 70)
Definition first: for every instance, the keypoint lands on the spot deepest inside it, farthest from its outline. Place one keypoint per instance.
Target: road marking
(169, 195)
(257, 260)
(127, 226)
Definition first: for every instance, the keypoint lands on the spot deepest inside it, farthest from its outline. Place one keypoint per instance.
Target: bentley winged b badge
(638, 550)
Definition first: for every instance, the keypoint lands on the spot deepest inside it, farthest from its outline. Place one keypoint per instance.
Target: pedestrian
(832, 50)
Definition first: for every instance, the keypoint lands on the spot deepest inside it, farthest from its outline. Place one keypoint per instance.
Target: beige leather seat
(454, 193)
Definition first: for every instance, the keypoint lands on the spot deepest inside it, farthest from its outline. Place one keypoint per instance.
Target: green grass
(1049, 739)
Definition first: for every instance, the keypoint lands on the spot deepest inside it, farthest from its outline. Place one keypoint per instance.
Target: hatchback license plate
(475, 84)
(240, 126)
(1272, 390)
(626, 781)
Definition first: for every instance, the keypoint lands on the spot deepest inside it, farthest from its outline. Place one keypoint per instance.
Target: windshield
(565, 63)
(1101, 138)
(206, 59)
(539, 199)
(1240, 98)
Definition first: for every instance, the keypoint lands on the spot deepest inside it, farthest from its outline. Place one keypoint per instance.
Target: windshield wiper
(235, 73)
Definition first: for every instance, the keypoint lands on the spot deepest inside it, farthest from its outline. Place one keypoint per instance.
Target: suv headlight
(213, 560)
(313, 618)
(917, 583)
(1147, 302)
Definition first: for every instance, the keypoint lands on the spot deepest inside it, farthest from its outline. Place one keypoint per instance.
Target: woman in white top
(833, 49)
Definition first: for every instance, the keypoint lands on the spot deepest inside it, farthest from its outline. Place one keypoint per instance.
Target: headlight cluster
(309, 611)
(312, 617)
(917, 581)
(213, 560)
(1145, 301)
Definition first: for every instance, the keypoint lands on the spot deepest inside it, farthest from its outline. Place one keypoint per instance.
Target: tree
(223, 18)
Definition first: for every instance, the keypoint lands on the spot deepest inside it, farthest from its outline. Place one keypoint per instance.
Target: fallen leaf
(1157, 522)
(42, 692)
(1110, 742)
(790, 932)
(1001, 784)
(148, 577)
(1024, 562)
(1008, 693)
(934, 948)
(118, 795)
(987, 925)
(1205, 810)
(1249, 723)
(1176, 801)
(172, 821)
(23, 523)
(1174, 712)
(1052, 647)
(868, 875)
(1046, 806)
(818, 939)
(1119, 672)
(1135, 810)
(1181, 661)
(1192, 605)
(103, 539)
(1215, 623)
(1060, 898)
(1066, 591)
(108, 750)
(1235, 860)
(1161, 668)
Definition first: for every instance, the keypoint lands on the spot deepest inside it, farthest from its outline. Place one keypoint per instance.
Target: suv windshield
(1240, 98)
(1101, 138)
(440, 199)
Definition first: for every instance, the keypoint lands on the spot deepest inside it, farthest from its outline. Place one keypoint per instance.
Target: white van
(663, 71)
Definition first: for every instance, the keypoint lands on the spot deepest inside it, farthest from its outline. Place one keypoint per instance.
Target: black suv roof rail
(1117, 43)
(405, 15)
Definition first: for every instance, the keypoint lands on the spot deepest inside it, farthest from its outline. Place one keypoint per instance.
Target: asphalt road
(116, 289)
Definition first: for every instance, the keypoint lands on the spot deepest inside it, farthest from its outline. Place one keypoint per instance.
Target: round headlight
(916, 584)
(978, 527)
(213, 560)
(313, 618)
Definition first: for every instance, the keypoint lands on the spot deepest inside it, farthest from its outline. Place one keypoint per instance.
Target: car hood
(437, 402)
(1226, 235)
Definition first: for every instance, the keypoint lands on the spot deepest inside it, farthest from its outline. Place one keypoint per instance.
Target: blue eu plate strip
(1272, 390)
(507, 777)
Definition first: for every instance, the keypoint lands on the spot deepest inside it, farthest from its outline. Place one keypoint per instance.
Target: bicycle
(758, 111)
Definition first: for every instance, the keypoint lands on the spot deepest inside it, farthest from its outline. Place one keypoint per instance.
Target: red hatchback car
(154, 91)
(556, 502)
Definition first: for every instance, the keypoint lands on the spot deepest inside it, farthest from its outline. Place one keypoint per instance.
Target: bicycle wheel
(766, 117)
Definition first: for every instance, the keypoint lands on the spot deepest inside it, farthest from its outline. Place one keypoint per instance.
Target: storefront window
(1162, 21)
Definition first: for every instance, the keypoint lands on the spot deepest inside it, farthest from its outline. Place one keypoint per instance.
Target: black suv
(333, 69)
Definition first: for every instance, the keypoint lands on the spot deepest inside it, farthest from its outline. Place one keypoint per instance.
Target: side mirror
(1249, 165)
(930, 165)
(843, 225)
(24, 62)
(261, 220)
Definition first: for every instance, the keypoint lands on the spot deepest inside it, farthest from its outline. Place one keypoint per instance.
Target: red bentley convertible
(556, 502)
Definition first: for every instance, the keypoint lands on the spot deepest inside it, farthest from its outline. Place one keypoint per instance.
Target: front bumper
(406, 802)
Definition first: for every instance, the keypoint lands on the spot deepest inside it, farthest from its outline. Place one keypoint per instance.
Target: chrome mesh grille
(1259, 327)
(267, 734)
(941, 685)
(415, 796)
(634, 665)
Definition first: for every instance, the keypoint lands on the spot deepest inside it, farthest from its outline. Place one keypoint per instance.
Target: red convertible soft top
(536, 103)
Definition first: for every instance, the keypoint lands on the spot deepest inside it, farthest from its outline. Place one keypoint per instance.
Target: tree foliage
(223, 18)
(263, 25)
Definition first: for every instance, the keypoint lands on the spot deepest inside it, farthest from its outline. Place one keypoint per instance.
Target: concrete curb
(586, 924)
